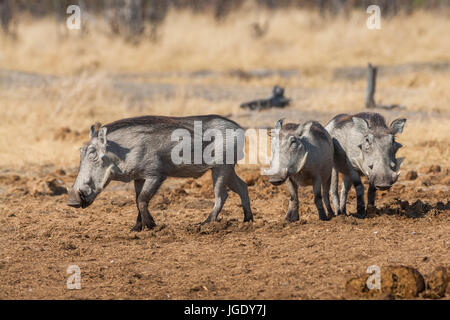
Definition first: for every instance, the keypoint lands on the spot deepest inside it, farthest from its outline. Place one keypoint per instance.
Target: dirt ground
(267, 259)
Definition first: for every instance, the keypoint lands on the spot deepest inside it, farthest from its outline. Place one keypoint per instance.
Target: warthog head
(288, 152)
(95, 172)
(378, 149)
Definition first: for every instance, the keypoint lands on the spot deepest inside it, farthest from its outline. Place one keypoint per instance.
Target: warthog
(142, 149)
(302, 155)
(364, 145)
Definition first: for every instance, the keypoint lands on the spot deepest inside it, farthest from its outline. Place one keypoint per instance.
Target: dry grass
(296, 39)
(29, 117)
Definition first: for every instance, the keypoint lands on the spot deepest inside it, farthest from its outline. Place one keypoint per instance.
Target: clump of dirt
(121, 201)
(220, 226)
(431, 169)
(396, 282)
(9, 179)
(66, 133)
(49, 185)
(411, 175)
(446, 180)
(437, 283)
(415, 210)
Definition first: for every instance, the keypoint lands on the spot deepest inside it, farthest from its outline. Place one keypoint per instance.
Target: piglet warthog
(364, 145)
(302, 155)
(142, 149)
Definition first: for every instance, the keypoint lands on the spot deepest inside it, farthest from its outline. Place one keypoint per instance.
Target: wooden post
(371, 84)
(5, 15)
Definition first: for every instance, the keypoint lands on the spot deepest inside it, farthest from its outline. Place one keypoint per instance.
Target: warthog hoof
(208, 220)
(140, 227)
(361, 213)
(292, 216)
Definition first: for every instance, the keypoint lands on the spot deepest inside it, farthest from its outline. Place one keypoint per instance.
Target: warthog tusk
(106, 177)
(398, 173)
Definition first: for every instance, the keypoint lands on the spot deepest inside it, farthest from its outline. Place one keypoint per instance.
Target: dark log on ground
(278, 100)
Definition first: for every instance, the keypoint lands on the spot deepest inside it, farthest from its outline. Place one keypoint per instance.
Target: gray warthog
(302, 155)
(364, 145)
(142, 149)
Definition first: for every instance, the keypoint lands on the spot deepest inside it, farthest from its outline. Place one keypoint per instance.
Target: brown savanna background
(181, 58)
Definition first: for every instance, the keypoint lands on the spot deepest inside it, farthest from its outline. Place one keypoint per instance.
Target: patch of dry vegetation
(299, 40)
(295, 39)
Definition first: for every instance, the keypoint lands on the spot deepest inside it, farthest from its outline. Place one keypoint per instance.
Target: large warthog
(151, 148)
(302, 155)
(364, 145)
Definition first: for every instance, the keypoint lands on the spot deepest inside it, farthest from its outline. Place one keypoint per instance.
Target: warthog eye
(292, 142)
(92, 155)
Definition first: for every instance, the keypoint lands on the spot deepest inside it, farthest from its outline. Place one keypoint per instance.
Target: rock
(397, 282)
(431, 169)
(437, 283)
(121, 201)
(411, 175)
(417, 209)
(48, 186)
(425, 181)
(446, 181)
(66, 133)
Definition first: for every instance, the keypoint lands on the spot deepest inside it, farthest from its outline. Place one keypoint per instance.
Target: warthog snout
(276, 181)
(279, 178)
(387, 183)
(383, 186)
(74, 199)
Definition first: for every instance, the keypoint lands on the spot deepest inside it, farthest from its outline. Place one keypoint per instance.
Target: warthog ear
(94, 129)
(299, 130)
(360, 124)
(279, 124)
(102, 135)
(397, 125)
(92, 132)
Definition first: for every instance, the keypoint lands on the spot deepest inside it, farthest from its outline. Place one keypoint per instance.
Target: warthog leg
(292, 213)
(145, 190)
(359, 188)
(219, 176)
(354, 179)
(371, 193)
(346, 185)
(326, 196)
(317, 189)
(240, 187)
(334, 190)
